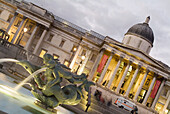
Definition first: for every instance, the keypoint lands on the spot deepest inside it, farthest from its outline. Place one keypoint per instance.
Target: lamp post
(24, 31)
(82, 59)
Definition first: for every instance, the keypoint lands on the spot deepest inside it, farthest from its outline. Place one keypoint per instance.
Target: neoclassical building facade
(118, 68)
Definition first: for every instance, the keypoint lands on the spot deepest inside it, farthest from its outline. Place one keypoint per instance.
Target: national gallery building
(118, 68)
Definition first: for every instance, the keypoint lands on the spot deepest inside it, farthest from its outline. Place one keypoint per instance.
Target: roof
(143, 30)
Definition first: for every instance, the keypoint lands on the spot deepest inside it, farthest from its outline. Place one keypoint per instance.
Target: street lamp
(25, 30)
(82, 59)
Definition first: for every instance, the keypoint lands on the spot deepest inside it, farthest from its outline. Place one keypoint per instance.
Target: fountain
(49, 93)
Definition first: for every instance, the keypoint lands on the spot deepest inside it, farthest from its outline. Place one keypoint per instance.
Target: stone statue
(49, 92)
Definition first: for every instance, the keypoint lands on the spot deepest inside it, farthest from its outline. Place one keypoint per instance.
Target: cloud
(114, 18)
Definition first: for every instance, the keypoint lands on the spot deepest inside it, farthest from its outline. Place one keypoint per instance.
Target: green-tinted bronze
(49, 92)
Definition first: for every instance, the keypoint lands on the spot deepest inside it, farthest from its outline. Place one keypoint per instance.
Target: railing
(17, 52)
(62, 23)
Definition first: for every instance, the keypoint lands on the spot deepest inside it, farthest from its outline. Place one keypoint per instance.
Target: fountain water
(28, 78)
(8, 60)
(16, 100)
(52, 94)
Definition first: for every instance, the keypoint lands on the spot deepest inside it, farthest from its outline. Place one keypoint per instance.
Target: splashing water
(28, 78)
(8, 60)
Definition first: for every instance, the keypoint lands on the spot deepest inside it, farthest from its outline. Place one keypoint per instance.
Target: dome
(143, 30)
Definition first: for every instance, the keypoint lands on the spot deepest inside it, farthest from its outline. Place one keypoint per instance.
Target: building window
(83, 52)
(55, 56)
(9, 18)
(1, 34)
(62, 43)
(93, 58)
(129, 40)
(43, 51)
(50, 37)
(18, 23)
(139, 43)
(66, 63)
(30, 27)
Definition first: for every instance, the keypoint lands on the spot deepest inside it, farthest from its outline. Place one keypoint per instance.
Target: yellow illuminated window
(66, 63)
(55, 56)
(1, 34)
(42, 53)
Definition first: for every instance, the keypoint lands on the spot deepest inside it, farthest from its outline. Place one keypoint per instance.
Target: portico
(127, 75)
(23, 19)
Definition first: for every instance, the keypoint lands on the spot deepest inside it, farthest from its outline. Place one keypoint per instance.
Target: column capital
(37, 24)
(155, 74)
(122, 56)
(140, 65)
(24, 17)
(15, 14)
(131, 61)
(148, 70)
(113, 52)
(103, 49)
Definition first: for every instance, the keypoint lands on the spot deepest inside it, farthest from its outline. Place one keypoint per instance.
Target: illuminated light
(7, 89)
(166, 111)
(65, 23)
(9, 32)
(83, 57)
(25, 29)
(75, 49)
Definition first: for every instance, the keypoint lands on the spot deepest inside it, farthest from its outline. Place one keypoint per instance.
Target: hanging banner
(102, 63)
(155, 89)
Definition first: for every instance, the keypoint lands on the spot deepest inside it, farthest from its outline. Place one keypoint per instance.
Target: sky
(114, 17)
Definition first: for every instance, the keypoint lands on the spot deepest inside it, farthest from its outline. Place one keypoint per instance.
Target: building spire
(147, 20)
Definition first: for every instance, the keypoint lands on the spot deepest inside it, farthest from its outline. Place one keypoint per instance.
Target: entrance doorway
(141, 95)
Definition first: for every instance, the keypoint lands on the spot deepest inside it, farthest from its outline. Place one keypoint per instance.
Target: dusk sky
(114, 17)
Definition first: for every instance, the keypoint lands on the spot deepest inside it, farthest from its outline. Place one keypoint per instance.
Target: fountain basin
(21, 101)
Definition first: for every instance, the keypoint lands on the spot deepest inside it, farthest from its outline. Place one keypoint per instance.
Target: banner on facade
(155, 89)
(102, 63)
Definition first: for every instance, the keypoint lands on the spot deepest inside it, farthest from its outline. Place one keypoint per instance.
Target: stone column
(19, 28)
(133, 79)
(96, 64)
(40, 41)
(84, 62)
(166, 104)
(105, 68)
(31, 38)
(124, 75)
(141, 84)
(115, 71)
(12, 21)
(75, 57)
(158, 94)
(149, 90)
